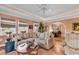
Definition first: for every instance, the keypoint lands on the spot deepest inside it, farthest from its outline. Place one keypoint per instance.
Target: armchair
(9, 46)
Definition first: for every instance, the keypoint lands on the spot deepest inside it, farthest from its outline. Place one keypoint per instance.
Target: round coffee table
(22, 48)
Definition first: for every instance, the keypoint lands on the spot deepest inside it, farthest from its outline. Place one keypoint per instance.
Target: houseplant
(41, 33)
(41, 28)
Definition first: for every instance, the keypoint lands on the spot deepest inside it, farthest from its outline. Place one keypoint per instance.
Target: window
(7, 25)
(23, 27)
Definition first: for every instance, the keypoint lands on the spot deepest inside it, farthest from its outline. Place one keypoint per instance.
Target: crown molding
(14, 11)
(22, 14)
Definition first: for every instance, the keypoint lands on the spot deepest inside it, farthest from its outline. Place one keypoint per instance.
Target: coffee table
(22, 48)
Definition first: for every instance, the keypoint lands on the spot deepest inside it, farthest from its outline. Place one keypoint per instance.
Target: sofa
(45, 39)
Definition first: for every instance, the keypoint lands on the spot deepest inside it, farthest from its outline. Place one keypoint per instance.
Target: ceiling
(55, 12)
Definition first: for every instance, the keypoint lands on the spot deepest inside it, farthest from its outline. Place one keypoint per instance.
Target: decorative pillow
(31, 35)
(42, 36)
(34, 35)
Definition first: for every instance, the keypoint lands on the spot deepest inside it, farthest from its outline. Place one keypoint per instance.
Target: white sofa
(45, 41)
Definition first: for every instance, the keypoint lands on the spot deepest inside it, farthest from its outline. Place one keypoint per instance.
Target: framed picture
(76, 26)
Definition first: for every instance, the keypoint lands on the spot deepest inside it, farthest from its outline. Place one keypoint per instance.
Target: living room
(32, 29)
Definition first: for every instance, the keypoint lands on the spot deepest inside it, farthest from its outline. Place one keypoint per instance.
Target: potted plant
(41, 28)
(18, 38)
(8, 34)
(23, 31)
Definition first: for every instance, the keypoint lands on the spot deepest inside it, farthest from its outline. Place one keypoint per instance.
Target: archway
(62, 27)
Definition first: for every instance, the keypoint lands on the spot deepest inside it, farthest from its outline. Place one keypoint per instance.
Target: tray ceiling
(54, 12)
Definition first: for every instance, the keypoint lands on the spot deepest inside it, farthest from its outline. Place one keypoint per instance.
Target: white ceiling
(55, 12)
